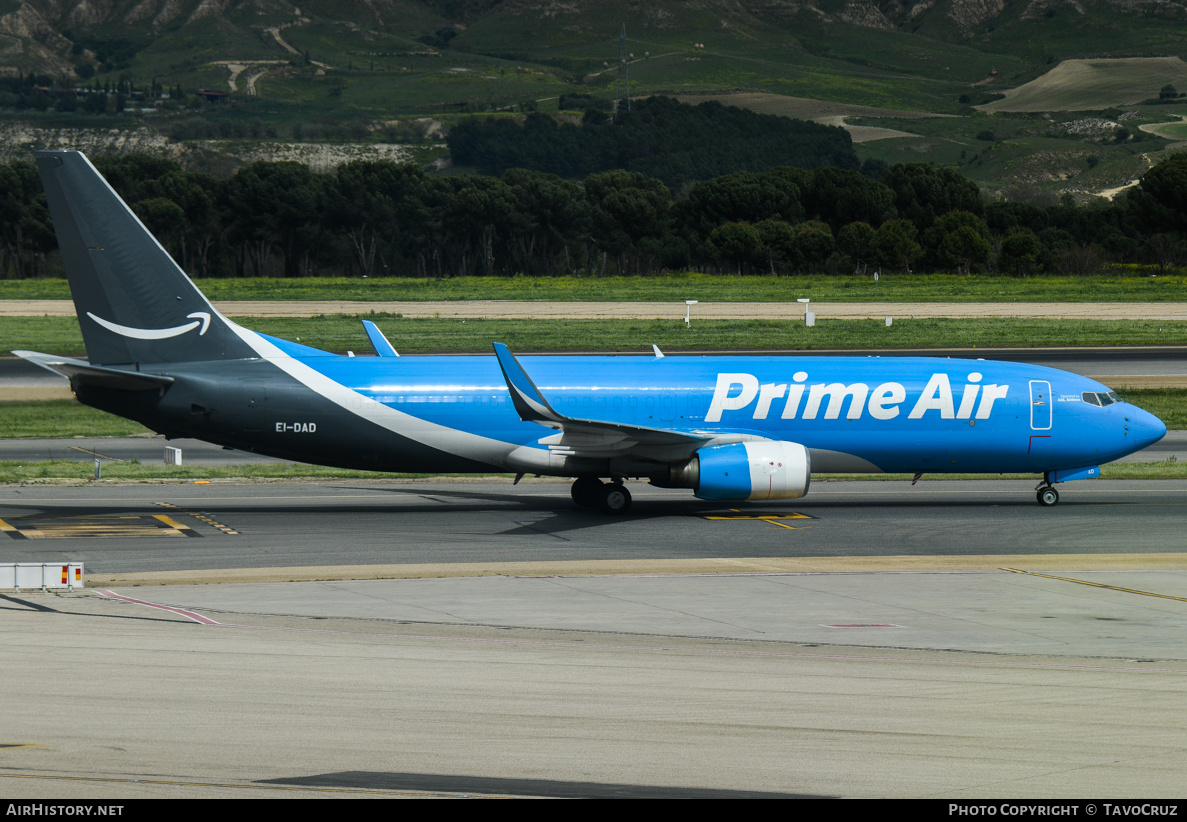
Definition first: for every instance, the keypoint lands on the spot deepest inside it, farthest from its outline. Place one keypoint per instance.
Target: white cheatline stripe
(179, 611)
(451, 440)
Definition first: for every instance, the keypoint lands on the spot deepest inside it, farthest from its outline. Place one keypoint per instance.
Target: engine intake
(746, 471)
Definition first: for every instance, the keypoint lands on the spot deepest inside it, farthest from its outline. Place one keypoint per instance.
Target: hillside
(369, 70)
(859, 44)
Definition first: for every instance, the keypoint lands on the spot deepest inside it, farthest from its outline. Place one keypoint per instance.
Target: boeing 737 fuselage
(727, 427)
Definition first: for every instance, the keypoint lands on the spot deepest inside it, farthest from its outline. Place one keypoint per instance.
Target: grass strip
(1131, 283)
(48, 419)
(24, 473)
(341, 333)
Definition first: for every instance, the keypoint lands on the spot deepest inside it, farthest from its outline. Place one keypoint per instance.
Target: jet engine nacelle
(747, 470)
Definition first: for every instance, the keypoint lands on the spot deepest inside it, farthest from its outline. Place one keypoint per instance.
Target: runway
(864, 641)
(350, 524)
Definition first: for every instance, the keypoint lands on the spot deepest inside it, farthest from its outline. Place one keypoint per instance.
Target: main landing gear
(607, 497)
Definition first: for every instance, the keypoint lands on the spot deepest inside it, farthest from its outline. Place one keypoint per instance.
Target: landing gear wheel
(585, 491)
(614, 499)
(1047, 496)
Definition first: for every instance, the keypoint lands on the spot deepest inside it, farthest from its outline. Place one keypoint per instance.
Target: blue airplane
(726, 427)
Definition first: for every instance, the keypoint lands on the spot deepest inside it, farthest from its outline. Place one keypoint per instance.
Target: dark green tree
(26, 233)
(469, 215)
(379, 207)
(1160, 199)
(275, 206)
(857, 241)
(736, 246)
(923, 192)
(1020, 253)
(626, 209)
(839, 197)
(813, 245)
(550, 216)
(896, 245)
(957, 240)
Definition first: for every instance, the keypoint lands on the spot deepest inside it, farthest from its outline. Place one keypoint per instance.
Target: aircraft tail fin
(134, 303)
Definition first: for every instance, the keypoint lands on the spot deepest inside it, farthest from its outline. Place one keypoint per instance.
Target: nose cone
(1144, 429)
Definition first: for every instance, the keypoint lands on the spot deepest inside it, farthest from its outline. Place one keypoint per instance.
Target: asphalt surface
(286, 525)
(413, 688)
(948, 640)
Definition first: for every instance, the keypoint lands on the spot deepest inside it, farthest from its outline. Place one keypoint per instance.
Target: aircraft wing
(580, 437)
(81, 371)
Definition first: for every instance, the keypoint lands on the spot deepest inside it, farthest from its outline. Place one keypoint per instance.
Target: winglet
(528, 400)
(379, 342)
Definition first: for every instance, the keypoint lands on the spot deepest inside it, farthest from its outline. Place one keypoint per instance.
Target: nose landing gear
(1046, 495)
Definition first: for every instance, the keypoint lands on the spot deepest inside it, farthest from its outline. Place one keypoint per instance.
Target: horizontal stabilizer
(82, 372)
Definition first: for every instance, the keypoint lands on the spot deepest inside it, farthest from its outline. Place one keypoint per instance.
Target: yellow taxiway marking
(772, 519)
(226, 529)
(97, 454)
(781, 525)
(1096, 584)
(98, 525)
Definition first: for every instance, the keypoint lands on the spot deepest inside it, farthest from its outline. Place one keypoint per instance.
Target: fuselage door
(1040, 405)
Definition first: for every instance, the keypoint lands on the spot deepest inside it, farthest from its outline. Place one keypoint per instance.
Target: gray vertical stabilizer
(134, 303)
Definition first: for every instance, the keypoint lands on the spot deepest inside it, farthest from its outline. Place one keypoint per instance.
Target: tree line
(379, 218)
(658, 137)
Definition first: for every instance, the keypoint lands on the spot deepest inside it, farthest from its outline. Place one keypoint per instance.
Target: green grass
(1026, 147)
(47, 419)
(1088, 85)
(1129, 284)
(341, 333)
(25, 473)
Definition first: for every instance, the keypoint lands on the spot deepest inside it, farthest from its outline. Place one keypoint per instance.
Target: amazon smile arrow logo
(200, 318)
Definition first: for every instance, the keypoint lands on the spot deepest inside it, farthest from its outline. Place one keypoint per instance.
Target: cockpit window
(1101, 398)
